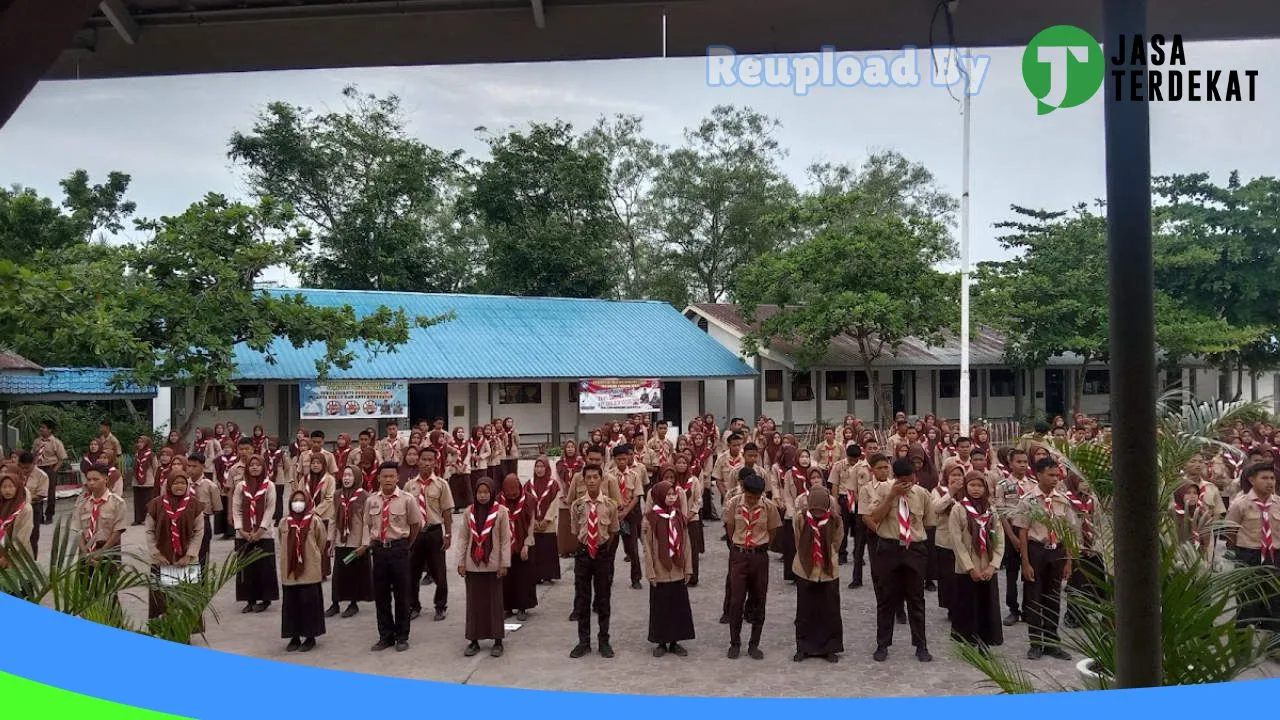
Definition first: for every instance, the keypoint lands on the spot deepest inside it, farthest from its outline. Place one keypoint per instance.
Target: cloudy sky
(171, 133)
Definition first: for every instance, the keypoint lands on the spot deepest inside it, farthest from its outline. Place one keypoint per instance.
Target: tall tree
(379, 202)
(714, 194)
(868, 276)
(173, 308)
(541, 202)
(30, 222)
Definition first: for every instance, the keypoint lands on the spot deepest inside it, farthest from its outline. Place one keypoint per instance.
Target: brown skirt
(484, 606)
(520, 586)
(566, 542)
(819, 628)
(670, 615)
(546, 557)
(460, 488)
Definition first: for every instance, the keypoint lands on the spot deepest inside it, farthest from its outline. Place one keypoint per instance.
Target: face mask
(298, 506)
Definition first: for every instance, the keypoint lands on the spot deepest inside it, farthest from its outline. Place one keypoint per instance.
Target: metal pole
(1133, 359)
(964, 259)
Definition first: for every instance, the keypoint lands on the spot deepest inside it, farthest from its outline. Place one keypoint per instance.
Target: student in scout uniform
(818, 529)
(791, 483)
(115, 479)
(174, 531)
(668, 561)
(688, 481)
(252, 505)
(520, 585)
(98, 521)
(511, 445)
(145, 466)
(843, 476)
(435, 503)
(1009, 492)
(1192, 521)
(1088, 569)
(409, 465)
(486, 560)
(828, 452)
(302, 539)
(16, 517)
(728, 464)
(316, 450)
(594, 521)
(393, 522)
(944, 496)
(320, 487)
(206, 492)
(497, 451)
(107, 439)
(609, 483)
(1254, 518)
(900, 512)
(49, 454)
(658, 452)
(750, 523)
(1039, 521)
(978, 543)
(546, 515)
(460, 477)
(392, 447)
(352, 571)
(631, 490)
(37, 485)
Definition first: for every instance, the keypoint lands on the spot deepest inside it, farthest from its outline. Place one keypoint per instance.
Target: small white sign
(171, 575)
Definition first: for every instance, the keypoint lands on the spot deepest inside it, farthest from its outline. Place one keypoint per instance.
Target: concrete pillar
(730, 401)
(851, 392)
(555, 414)
(819, 378)
(757, 395)
(702, 399)
(473, 406)
(788, 416)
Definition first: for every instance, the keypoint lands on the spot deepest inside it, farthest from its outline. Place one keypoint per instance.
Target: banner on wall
(348, 399)
(619, 396)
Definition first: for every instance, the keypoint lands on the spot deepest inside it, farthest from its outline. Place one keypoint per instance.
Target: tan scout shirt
(739, 519)
(402, 517)
(500, 555)
(1246, 519)
(655, 570)
(356, 531)
(608, 485)
(607, 519)
(658, 452)
(433, 496)
(630, 484)
(844, 481)
(548, 521)
(1210, 499)
(18, 533)
(832, 550)
(942, 504)
(111, 442)
(302, 467)
(50, 452)
(353, 460)
(206, 492)
(236, 511)
(313, 550)
(692, 491)
(1035, 504)
(111, 519)
(37, 484)
(967, 557)
(919, 505)
(321, 497)
(723, 465)
(153, 542)
(826, 456)
(389, 450)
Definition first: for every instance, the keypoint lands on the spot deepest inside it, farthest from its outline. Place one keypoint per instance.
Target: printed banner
(619, 396)
(341, 399)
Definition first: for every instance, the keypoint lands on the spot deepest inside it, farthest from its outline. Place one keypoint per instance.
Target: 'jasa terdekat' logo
(1064, 67)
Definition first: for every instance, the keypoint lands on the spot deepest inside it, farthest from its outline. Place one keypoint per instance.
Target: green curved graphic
(25, 698)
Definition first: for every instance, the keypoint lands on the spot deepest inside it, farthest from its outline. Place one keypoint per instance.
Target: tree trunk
(134, 415)
(879, 401)
(1077, 393)
(193, 414)
(1235, 397)
(1019, 388)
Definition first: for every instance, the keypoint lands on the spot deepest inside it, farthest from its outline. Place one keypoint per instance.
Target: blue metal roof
(71, 383)
(496, 337)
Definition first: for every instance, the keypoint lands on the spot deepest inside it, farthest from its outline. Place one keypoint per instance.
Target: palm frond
(1003, 675)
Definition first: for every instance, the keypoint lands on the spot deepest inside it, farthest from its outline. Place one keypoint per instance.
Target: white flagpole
(965, 413)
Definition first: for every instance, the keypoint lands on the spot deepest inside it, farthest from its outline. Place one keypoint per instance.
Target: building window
(520, 394)
(861, 386)
(244, 397)
(1001, 382)
(801, 387)
(949, 384)
(837, 382)
(773, 386)
(574, 388)
(1097, 382)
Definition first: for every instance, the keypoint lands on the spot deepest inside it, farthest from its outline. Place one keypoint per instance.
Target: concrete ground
(537, 654)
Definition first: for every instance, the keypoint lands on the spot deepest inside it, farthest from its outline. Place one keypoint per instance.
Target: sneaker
(440, 615)
(351, 610)
(678, 650)
(381, 645)
(522, 615)
(754, 653)
(579, 650)
(308, 645)
(881, 654)
(1011, 619)
(734, 652)
(471, 649)
(660, 651)
(1056, 652)
(332, 611)
(922, 654)
(832, 658)
(1035, 652)
(402, 646)
(606, 650)
(496, 650)
(293, 645)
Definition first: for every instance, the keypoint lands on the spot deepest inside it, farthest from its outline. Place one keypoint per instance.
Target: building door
(428, 401)
(1055, 392)
(904, 391)
(671, 401)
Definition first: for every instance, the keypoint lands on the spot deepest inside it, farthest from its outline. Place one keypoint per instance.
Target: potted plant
(1202, 642)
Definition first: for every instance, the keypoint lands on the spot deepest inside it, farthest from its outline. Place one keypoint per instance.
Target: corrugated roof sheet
(500, 337)
(70, 382)
(14, 361)
(986, 347)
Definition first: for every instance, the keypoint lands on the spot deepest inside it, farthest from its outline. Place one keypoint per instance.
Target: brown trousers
(748, 587)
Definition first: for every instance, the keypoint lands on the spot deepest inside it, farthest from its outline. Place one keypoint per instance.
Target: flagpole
(965, 413)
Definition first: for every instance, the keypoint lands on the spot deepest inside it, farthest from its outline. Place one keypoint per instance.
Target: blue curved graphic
(41, 645)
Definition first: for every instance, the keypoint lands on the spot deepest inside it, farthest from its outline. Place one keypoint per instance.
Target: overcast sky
(170, 133)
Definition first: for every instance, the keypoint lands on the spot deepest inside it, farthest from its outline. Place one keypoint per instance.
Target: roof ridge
(411, 293)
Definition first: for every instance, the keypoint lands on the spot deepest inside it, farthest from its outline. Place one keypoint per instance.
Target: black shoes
(351, 610)
(606, 650)
(332, 611)
(497, 650)
(881, 654)
(659, 651)
(440, 615)
(724, 619)
(831, 658)
(922, 654)
(855, 583)
(381, 645)
(1054, 651)
(308, 645)
(574, 616)
(1011, 619)
(901, 616)
(402, 646)
(579, 650)
(798, 657)
(735, 651)
(261, 607)
(471, 650)
(678, 650)
(522, 615)
(754, 653)
(414, 614)
(293, 645)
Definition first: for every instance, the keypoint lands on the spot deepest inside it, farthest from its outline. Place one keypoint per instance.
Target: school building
(497, 357)
(921, 379)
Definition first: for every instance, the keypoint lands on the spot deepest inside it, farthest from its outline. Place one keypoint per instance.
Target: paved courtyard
(537, 654)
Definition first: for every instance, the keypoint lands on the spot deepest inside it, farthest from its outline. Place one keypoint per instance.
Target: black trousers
(631, 542)
(708, 511)
(858, 530)
(897, 573)
(280, 502)
(931, 563)
(748, 589)
(35, 538)
(593, 589)
(51, 500)
(1012, 564)
(204, 542)
(427, 555)
(142, 497)
(391, 589)
(1042, 598)
(1263, 612)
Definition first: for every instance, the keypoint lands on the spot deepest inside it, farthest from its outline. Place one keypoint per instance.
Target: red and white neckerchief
(341, 455)
(259, 442)
(175, 537)
(479, 535)
(540, 496)
(1181, 512)
(1052, 540)
(687, 485)
(514, 513)
(1084, 506)
(95, 514)
(476, 455)
(951, 451)
(273, 462)
(7, 522)
(664, 452)
(386, 517)
(394, 446)
(904, 521)
(830, 450)
(141, 463)
(508, 438)
(982, 520)
(1233, 465)
(464, 452)
(345, 501)
(1267, 546)
(733, 462)
(673, 532)
(422, 495)
(624, 488)
(317, 492)
(370, 478)
(570, 468)
(298, 529)
(800, 483)
(816, 523)
(40, 446)
(593, 528)
(252, 498)
(749, 517)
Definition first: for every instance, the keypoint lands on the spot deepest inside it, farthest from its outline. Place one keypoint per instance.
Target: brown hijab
(545, 489)
(9, 508)
(927, 475)
(515, 497)
(349, 504)
(817, 514)
(172, 512)
(661, 518)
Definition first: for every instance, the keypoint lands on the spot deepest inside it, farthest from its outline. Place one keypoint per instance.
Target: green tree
(30, 222)
(714, 196)
(382, 205)
(870, 277)
(542, 204)
(173, 308)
